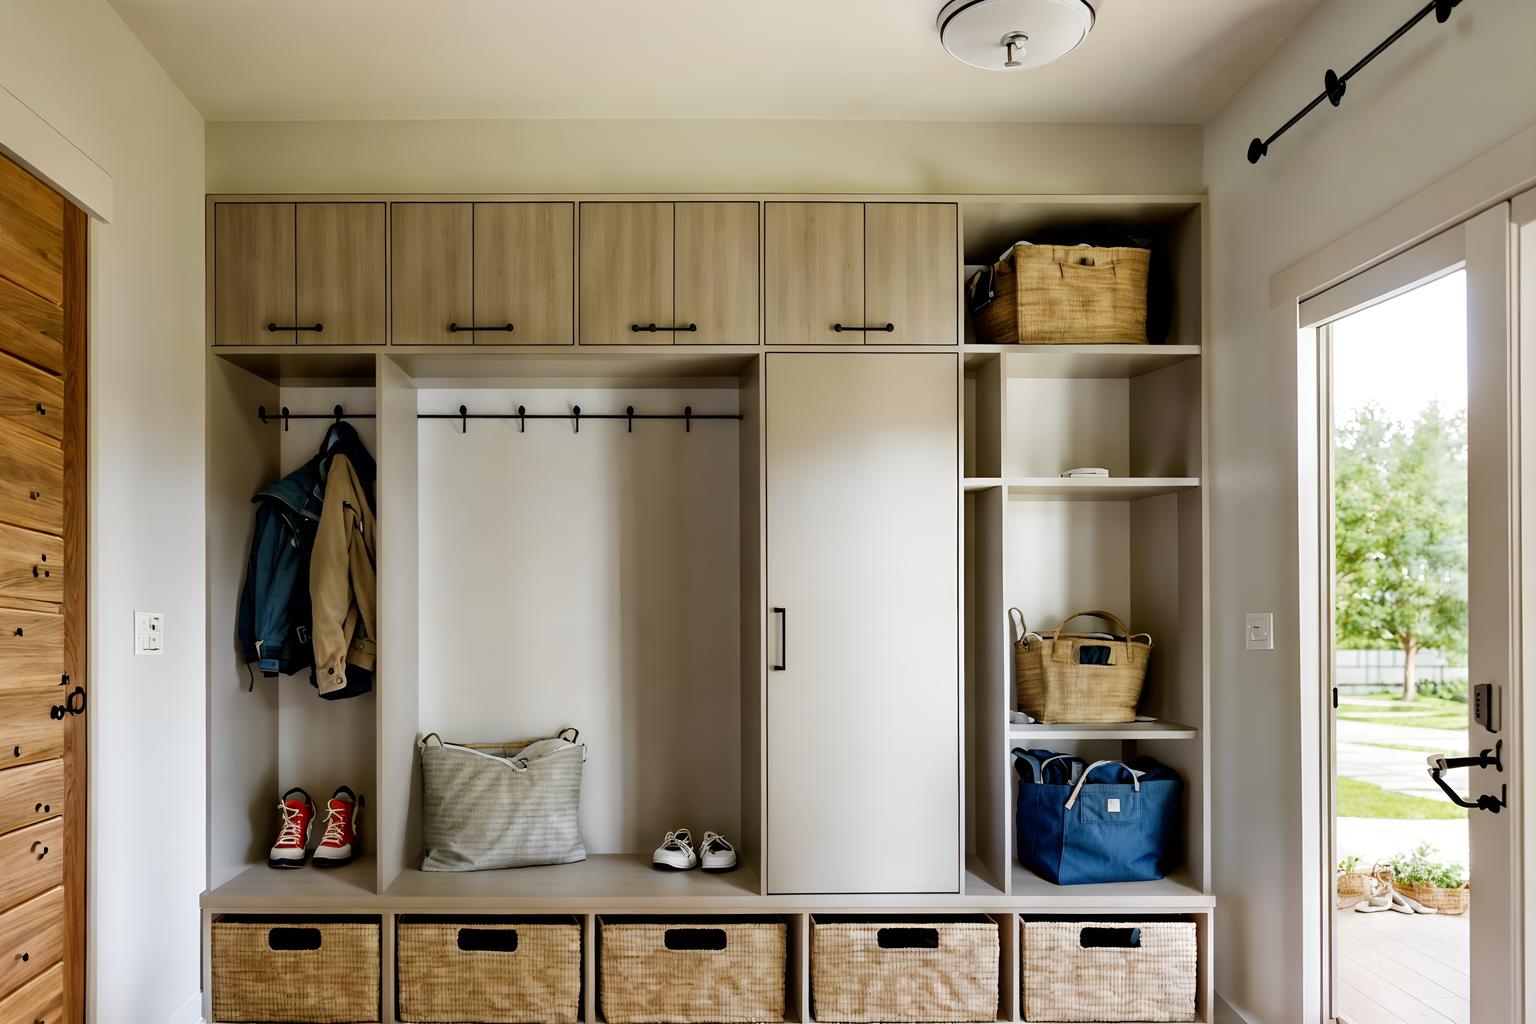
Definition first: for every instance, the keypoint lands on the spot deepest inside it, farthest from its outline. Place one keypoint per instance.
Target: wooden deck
(1394, 969)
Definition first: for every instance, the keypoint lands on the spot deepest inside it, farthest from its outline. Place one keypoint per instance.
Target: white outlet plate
(1260, 631)
(148, 634)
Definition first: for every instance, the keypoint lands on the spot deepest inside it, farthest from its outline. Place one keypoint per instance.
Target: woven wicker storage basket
(489, 970)
(1058, 295)
(913, 970)
(1055, 686)
(1447, 901)
(1069, 976)
(677, 972)
(1351, 887)
(306, 971)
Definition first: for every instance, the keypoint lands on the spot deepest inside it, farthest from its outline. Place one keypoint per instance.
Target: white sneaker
(716, 853)
(676, 852)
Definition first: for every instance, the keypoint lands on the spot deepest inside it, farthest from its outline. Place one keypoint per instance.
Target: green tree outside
(1400, 534)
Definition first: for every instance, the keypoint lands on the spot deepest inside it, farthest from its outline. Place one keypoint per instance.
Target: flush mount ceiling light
(1008, 35)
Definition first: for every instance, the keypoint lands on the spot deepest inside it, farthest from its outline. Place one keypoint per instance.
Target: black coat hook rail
(283, 415)
(1334, 83)
(576, 416)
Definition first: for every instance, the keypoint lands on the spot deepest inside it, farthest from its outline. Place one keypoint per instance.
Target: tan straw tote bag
(1080, 677)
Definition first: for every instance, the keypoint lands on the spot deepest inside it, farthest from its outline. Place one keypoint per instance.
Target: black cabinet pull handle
(783, 640)
(652, 328)
(840, 328)
(317, 328)
(456, 328)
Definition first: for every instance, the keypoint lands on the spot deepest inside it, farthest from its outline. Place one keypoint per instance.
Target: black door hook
(1439, 764)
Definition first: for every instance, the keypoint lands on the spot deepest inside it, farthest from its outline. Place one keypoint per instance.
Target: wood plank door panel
(626, 273)
(31, 481)
(253, 273)
(32, 399)
(31, 233)
(31, 570)
(813, 273)
(31, 861)
(28, 733)
(525, 273)
(29, 794)
(862, 556)
(431, 272)
(31, 939)
(912, 272)
(342, 273)
(40, 1001)
(717, 273)
(31, 327)
(31, 648)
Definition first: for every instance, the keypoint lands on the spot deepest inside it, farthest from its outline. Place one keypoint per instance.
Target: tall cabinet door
(863, 567)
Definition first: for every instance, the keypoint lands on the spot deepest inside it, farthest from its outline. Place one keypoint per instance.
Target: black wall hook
(522, 419)
(576, 415)
(687, 419)
(463, 419)
(629, 411)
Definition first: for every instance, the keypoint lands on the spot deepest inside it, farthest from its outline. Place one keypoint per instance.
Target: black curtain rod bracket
(1334, 84)
(284, 415)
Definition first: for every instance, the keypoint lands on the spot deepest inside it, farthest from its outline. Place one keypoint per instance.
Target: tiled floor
(1394, 969)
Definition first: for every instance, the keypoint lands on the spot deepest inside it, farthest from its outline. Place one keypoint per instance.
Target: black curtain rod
(1333, 84)
(338, 414)
(576, 416)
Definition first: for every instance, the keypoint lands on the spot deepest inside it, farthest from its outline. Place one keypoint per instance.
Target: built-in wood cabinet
(300, 273)
(661, 273)
(861, 273)
(482, 273)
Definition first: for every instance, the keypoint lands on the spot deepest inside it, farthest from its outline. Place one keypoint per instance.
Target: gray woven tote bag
(510, 805)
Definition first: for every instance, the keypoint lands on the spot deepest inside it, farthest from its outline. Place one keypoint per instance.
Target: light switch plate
(148, 634)
(1260, 631)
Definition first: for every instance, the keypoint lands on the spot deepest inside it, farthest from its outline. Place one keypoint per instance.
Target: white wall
(1437, 99)
(79, 67)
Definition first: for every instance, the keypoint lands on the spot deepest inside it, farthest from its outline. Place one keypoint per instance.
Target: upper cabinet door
(912, 272)
(626, 273)
(716, 266)
(431, 273)
(813, 273)
(253, 276)
(342, 273)
(524, 273)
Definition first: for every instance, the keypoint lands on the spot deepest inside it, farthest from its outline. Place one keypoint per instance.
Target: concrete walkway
(1360, 755)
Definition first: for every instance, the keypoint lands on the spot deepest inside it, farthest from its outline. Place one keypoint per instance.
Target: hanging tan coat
(343, 584)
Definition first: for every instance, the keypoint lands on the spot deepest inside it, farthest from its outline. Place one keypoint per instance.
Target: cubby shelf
(1097, 488)
(1066, 362)
(1110, 731)
(1175, 892)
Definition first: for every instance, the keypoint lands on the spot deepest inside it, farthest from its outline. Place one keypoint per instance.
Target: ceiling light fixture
(1007, 35)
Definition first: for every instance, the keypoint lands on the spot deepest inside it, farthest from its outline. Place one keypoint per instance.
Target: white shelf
(1067, 362)
(1173, 893)
(261, 889)
(1107, 731)
(1090, 488)
(980, 483)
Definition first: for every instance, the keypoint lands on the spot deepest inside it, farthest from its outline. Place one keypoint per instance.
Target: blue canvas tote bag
(1109, 821)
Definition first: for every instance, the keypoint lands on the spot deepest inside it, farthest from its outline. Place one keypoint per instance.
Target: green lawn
(1419, 713)
(1358, 799)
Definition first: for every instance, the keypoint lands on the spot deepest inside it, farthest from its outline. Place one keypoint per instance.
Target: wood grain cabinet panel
(31, 569)
(342, 273)
(31, 327)
(31, 233)
(31, 861)
(431, 272)
(32, 399)
(716, 263)
(30, 794)
(40, 1001)
(912, 272)
(253, 273)
(31, 939)
(28, 734)
(31, 650)
(31, 481)
(525, 273)
(813, 272)
(626, 273)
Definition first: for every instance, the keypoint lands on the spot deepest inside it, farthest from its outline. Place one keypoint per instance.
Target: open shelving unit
(1135, 542)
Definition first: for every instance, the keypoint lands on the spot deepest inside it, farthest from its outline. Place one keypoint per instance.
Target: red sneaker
(298, 811)
(340, 843)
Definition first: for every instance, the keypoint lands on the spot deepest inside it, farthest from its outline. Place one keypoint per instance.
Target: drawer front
(31, 649)
(31, 327)
(40, 1001)
(28, 733)
(31, 861)
(32, 399)
(31, 480)
(31, 568)
(31, 939)
(30, 794)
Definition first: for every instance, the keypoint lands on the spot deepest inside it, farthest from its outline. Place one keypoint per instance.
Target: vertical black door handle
(783, 662)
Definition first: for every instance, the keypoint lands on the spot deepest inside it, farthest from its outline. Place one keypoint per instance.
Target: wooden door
(431, 273)
(626, 273)
(863, 688)
(42, 600)
(813, 273)
(525, 273)
(912, 272)
(341, 253)
(717, 271)
(253, 282)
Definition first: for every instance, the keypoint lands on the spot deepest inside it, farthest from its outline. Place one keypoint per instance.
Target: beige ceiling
(1151, 61)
